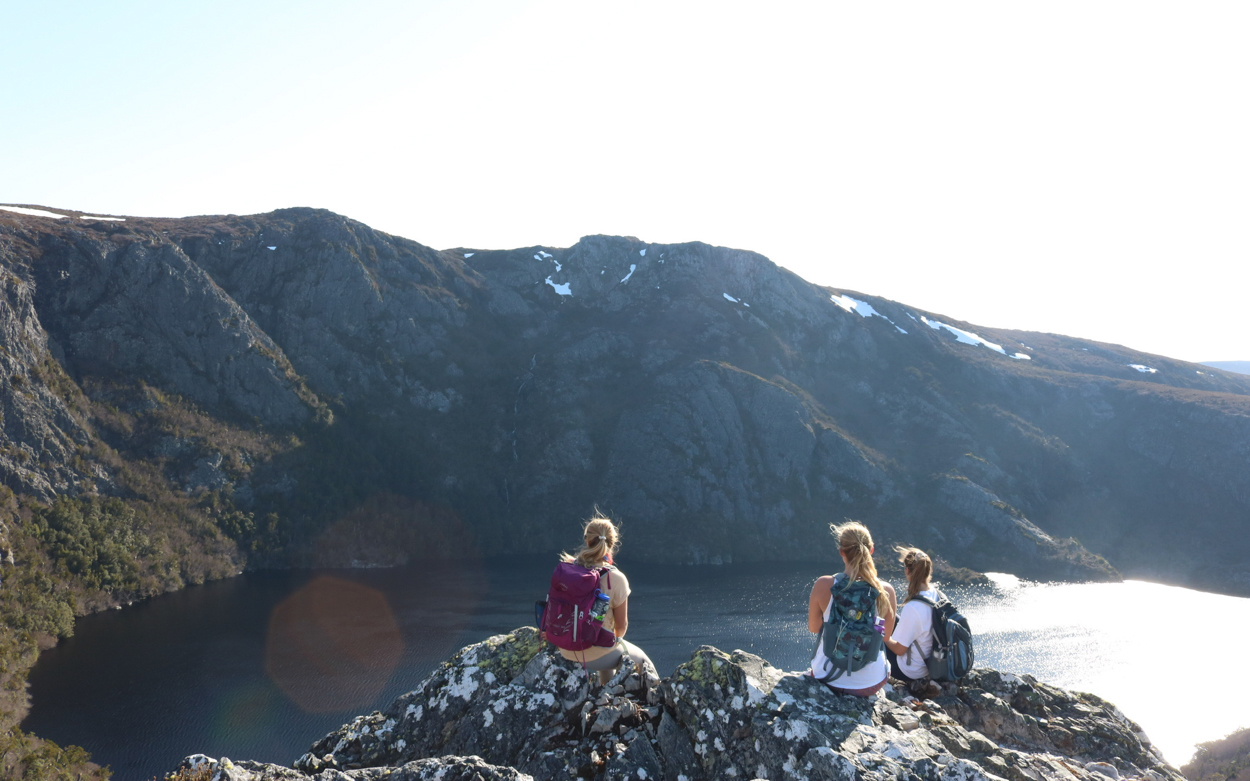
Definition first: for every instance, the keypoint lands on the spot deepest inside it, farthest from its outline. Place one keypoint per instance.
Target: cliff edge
(511, 708)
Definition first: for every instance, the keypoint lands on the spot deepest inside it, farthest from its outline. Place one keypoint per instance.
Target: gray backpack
(850, 638)
(952, 655)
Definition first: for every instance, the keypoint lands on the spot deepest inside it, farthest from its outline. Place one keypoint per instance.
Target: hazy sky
(1076, 167)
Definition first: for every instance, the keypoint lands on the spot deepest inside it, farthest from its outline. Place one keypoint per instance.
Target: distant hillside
(1226, 759)
(314, 392)
(1240, 367)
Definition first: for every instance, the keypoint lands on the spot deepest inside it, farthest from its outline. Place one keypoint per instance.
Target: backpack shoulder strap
(605, 571)
(915, 645)
(927, 600)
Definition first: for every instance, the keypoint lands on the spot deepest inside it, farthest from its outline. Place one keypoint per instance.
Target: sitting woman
(911, 642)
(855, 546)
(601, 539)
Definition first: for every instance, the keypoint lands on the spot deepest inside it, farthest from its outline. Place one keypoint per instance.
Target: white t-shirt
(915, 625)
(865, 677)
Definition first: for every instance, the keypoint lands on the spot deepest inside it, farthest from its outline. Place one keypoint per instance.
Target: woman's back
(914, 629)
(865, 677)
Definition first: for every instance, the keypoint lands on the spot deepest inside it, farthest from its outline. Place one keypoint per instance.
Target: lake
(262, 665)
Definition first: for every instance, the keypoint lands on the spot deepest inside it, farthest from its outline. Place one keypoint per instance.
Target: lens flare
(332, 645)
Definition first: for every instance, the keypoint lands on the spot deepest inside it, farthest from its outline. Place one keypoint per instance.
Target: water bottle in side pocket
(600, 608)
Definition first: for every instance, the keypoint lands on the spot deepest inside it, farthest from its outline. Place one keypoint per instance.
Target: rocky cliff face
(511, 708)
(721, 407)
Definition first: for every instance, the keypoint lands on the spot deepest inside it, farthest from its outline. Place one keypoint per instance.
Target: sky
(1073, 167)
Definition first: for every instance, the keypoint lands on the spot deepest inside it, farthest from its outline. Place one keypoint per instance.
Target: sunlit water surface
(262, 665)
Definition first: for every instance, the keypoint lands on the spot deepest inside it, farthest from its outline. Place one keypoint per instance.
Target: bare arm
(620, 618)
(890, 620)
(817, 603)
(890, 643)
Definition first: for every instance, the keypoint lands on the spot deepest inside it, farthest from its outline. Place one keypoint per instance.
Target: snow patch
(1021, 357)
(272, 248)
(632, 266)
(544, 254)
(469, 254)
(729, 298)
(32, 212)
(862, 308)
(965, 337)
(1143, 369)
(94, 217)
(561, 289)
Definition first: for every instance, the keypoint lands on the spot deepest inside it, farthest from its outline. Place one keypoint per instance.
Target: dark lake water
(262, 665)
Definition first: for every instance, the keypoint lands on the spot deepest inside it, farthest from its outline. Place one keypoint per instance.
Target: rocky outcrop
(512, 705)
(39, 435)
(202, 768)
(145, 310)
(357, 311)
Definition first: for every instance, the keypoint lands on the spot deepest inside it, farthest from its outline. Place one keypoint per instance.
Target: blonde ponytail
(855, 542)
(600, 539)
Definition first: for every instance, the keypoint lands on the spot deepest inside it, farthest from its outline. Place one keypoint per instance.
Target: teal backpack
(850, 638)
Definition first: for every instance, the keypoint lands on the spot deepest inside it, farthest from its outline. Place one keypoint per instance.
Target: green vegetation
(99, 541)
(1227, 759)
(27, 757)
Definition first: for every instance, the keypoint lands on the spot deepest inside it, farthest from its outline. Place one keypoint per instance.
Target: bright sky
(1078, 167)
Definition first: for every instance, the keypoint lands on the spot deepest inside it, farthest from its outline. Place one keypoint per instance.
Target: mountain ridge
(691, 389)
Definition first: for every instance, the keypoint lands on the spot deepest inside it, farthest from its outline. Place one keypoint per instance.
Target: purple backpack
(567, 619)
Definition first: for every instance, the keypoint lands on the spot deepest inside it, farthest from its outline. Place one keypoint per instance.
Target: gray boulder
(436, 769)
(512, 705)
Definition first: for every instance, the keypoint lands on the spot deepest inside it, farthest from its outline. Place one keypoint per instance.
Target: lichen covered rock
(513, 705)
(435, 769)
